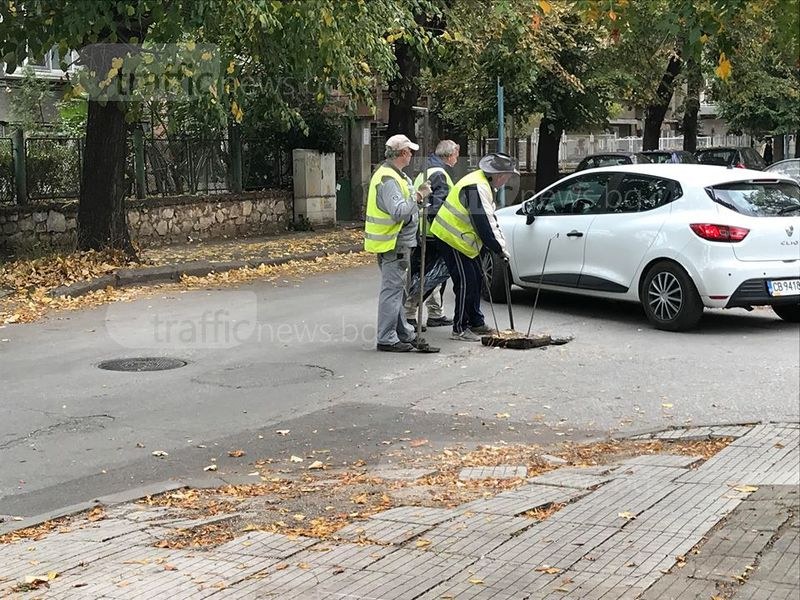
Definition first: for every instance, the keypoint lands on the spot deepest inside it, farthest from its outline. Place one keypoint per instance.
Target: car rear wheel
(495, 273)
(788, 312)
(670, 299)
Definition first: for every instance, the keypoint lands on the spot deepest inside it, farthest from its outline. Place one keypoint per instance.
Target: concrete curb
(152, 489)
(198, 268)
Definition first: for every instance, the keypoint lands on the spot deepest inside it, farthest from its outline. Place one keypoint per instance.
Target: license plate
(784, 287)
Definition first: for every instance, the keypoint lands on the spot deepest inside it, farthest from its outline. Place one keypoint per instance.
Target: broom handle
(539, 289)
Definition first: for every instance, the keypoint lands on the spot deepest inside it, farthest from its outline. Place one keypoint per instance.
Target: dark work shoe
(413, 323)
(396, 347)
(440, 322)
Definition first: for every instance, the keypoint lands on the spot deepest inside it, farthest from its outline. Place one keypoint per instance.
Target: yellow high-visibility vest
(452, 224)
(380, 229)
(418, 181)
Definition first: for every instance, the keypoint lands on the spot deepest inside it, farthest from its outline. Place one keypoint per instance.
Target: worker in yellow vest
(390, 231)
(439, 172)
(465, 223)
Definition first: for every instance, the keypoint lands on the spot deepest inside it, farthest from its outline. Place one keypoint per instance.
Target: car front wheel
(494, 269)
(788, 312)
(670, 299)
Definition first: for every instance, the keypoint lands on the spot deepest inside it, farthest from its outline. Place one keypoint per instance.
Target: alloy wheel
(665, 296)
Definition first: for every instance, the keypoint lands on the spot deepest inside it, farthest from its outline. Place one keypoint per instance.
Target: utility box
(314, 186)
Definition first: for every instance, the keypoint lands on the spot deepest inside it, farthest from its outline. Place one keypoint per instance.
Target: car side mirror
(529, 210)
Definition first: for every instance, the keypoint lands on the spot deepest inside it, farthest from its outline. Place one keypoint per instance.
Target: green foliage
(29, 102)
(762, 96)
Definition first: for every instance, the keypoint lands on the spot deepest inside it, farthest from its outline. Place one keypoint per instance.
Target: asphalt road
(299, 356)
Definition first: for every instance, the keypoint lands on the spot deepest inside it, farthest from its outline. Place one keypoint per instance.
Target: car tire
(494, 268)
(669, 298)
(788, 312)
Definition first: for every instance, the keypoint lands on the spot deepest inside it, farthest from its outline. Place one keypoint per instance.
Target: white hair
(446, 148)
(391, 153)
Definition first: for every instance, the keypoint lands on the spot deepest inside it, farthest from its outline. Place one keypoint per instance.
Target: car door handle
(574, 233)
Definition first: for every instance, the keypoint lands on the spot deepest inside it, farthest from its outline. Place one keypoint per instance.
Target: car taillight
(719, 233)
(740, 166)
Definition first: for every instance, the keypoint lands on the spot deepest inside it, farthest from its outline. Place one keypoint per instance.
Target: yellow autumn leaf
(206, 55)
(422, 543)
(238, 114)
(190, 45)
(746, 489)
(117, 63)
(476, 581)
(629, 516)
(723, 70)
(703, 39)
(231, 67)
(147, 59)
(112, 73)
(612, 15)
(545, 6)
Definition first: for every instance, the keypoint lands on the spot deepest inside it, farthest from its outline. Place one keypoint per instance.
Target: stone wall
(153, 222)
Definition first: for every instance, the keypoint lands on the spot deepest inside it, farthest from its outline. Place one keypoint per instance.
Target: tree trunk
(102, 219)
(403, 92)
(777, 147)
(655, 113)
(797, 144)
(547, 154)
(692, 108)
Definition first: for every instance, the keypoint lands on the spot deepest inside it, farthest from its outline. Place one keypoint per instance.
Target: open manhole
(138, 365)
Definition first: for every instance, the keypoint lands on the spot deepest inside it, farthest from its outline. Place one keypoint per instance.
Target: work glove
(423, 192)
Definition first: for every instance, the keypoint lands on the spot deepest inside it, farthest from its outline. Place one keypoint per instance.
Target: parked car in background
(740, 158)
(670, 156)
(675, 238)
(610, 159)
(790, 167)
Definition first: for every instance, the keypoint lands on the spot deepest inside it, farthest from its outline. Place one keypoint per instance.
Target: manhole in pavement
(147, 363)
(257, 375)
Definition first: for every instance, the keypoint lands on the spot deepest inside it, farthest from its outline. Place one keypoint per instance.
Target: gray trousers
(433, 304)
(392, 324)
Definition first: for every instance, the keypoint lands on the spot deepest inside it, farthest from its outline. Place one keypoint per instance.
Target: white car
(676, 238)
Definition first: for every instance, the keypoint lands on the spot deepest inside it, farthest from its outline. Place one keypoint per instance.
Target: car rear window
(758, 198)
(659, 157)
(715, 157)
(610, 161)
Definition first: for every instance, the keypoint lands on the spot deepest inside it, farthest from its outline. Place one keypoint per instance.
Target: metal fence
(7, 188)
(574, 147)
(171, 166)
(53, 167)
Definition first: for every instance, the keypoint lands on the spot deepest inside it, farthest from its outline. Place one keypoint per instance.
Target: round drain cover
(142, 364)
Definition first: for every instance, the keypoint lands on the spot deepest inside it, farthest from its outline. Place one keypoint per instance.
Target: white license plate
(784, 287)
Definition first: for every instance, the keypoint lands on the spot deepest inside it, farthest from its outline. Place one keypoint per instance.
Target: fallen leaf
(282, 431)
(316, 465)
(746, 489)
(281, 566)
(159, 453)
(169, 567)
(666, 405)
(627, 515)
(476, 581)
(237, 453)
(296, 459)
(96, 514)
(303, 565)
(299, 517)
(423, 543)
(338, 571)
(502, 415)
(210, 468)
(361, 499)
(548, 569)
(418, 443)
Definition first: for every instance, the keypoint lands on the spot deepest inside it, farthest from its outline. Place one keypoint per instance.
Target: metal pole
(20, 172)
(501, 135)
(541, 279)
(138, 162)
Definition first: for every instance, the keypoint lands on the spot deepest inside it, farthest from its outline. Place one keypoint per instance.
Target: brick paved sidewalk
(652, 527)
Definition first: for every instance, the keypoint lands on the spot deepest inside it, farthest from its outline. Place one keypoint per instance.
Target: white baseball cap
(399, 141)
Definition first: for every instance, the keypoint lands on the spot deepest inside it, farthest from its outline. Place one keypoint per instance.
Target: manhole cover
(142, 364)
(259, 375)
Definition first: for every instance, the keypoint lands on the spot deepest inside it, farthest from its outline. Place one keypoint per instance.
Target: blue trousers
(467, 280)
